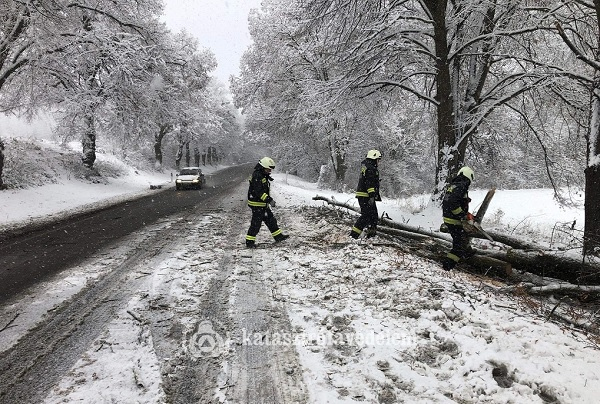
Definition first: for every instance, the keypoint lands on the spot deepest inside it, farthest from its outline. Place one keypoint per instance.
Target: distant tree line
(111, 69)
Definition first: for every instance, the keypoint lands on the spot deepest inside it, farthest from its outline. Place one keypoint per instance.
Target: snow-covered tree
(74, 56)
(578, 24)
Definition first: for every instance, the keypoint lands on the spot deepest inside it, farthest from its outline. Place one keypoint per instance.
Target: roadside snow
(369, 323)
(378, 325)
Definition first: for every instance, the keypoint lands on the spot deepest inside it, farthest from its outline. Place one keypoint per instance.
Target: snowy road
(174, 277)
(35, 252)
(181, 312)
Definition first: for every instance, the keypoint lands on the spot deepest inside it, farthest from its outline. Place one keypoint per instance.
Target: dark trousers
(260, 215)
(368, 217)
(460, 245)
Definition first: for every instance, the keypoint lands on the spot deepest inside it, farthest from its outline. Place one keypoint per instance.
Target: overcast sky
(221, 25)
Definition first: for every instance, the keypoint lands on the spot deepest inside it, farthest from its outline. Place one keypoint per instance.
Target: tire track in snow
(30, 368)
(263, 370)
(232, 302)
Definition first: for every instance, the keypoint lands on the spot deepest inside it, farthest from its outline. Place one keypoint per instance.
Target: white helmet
(374, 154)
(267, 162)
(467, 172)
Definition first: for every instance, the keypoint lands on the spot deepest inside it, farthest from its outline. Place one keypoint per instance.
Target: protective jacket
(258, 191)
(368, 182)
(455, 204)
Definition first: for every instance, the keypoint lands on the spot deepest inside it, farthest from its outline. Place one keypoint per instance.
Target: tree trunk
(179, 156)
(88, 142)
(1, 163)
(158, 155)
(338, 159)
(591, 234)
(448, 160)
(342, 167)
(196, 157)
(187, 154)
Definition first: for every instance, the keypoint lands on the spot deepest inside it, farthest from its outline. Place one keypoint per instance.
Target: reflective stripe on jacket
(455, 204)
(259, 187)
(368, 182)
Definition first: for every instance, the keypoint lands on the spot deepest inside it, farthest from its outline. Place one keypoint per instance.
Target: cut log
(562, 287)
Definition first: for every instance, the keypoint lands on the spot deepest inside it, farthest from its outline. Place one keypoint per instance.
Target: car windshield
(189, 171)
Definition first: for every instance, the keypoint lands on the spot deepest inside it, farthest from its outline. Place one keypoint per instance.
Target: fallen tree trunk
(434, 245)
(501, 238)
(564, 288)
(515, 253)
(550, 263)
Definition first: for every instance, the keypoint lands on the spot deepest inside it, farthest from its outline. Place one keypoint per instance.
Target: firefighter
(455, 209)
(367, 192)
(259, 200)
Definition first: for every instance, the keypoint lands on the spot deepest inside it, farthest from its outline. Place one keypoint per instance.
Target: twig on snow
(555, 307)
(136, 317)
(12, 320)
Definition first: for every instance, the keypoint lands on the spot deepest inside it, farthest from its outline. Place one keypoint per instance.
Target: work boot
(448, 264)
(354, 234)
(250, 244)
(280, 237)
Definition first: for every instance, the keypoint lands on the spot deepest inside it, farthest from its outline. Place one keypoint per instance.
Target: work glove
(272, 203)
(470, 217)
(371, 201)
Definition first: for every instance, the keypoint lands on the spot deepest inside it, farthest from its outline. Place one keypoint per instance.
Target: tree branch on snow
(565, 287)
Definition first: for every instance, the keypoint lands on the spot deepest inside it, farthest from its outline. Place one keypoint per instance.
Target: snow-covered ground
(369, 322)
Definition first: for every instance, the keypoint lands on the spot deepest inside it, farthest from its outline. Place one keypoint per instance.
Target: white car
(189, 177)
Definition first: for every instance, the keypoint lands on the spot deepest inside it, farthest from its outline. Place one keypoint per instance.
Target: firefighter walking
(367, 193)
(260, 200)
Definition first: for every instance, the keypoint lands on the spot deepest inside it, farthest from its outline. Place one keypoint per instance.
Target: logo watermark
(204, 341)
(354, 338)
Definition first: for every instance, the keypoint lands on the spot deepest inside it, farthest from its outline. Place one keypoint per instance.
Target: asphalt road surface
(33, 256)
(140, 240)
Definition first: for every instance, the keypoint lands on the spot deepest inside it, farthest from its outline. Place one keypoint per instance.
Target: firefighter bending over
(455, 209)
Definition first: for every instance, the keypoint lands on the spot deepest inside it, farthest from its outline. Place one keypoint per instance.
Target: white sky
(220, 25)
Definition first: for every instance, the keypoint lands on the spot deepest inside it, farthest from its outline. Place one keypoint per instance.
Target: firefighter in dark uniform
(367, 192)
(455, 209)
(259, 200)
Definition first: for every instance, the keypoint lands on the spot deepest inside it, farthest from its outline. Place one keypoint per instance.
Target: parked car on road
(189, 177)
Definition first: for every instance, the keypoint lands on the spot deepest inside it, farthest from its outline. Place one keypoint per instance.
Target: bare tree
(578, 24)
(71, 55)
(466, 59)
